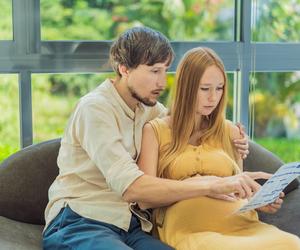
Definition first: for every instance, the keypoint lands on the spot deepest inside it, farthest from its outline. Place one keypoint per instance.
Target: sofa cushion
(287, 218)
(24, 181)
(18, 235)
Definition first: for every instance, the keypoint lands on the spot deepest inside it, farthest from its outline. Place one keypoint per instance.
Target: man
(92, 202)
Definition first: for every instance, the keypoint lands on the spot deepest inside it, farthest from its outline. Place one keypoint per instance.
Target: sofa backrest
(26, 176)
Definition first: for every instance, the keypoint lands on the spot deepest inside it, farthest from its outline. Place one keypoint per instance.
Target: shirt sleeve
(96, 129)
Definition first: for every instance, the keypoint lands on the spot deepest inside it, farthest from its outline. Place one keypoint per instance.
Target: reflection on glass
(276, 100)
(276, 21)
(53, 98)
(6, 20)
(104, 20)
(9, 118)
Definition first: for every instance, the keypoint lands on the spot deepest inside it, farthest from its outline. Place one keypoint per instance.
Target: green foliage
(104, 20)
(9, 106)
(277, 21)
(276, 93)
(287, 149)
(6, 20)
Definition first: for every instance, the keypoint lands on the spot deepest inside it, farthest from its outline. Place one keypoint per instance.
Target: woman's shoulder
(161, 123)
(161, 128)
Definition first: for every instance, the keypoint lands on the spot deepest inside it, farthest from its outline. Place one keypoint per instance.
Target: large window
(199, 20)
(6, 20)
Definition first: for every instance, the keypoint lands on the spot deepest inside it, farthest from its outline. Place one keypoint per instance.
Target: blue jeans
(72, 231)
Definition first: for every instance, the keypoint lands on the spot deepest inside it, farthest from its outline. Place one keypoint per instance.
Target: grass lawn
(287, 149)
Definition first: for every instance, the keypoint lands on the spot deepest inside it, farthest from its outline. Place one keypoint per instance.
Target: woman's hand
(273, 207)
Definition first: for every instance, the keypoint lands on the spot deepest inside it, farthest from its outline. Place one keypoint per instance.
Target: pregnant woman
(195, 140)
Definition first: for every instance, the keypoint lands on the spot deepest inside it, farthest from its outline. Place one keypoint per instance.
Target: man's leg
(71, 231)
(139, 240)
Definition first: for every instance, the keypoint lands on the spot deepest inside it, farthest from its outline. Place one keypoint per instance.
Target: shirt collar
(128, 111)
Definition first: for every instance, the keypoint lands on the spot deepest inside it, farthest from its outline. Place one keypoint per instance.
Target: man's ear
(123, 70)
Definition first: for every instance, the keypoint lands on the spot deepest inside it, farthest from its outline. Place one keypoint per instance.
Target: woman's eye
(204, 89)
(220, 88)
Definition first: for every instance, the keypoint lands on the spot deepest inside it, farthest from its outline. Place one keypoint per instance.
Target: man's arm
(242, 144)
(235, 135)
(150, 191)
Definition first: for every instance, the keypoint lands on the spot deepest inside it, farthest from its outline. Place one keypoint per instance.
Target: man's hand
(243, 185)
(226, 197)
(242, 144)
(273, 207)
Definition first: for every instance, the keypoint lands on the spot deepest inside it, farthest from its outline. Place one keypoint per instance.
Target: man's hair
(140, 45)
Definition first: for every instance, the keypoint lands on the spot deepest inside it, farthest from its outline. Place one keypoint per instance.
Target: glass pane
(9, 118)
(276, 100)
(6, 20)
(187, 20)
(276, 21)
(54, 97)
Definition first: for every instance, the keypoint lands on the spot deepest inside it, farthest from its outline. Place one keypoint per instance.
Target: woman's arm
(148, 158)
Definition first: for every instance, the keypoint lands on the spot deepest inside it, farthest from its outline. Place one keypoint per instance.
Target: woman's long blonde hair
(184, 104)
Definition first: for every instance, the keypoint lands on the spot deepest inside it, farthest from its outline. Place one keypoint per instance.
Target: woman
(196, 140)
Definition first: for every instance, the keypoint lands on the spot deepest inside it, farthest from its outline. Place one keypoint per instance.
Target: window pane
(276, 101)
(276, 21)
(104, 20)
(6, 20)
(54, 97)
(9, 118)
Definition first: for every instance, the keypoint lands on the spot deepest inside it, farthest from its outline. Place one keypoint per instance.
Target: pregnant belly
(207, 214)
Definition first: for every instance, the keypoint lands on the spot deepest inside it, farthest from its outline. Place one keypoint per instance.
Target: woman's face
(210, 90)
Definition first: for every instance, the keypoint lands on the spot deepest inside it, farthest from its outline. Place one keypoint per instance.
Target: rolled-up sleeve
(97, 131)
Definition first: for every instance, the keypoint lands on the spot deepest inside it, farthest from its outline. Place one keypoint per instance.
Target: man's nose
(162, 80)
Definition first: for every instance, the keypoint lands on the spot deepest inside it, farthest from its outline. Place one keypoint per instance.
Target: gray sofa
(26, 176)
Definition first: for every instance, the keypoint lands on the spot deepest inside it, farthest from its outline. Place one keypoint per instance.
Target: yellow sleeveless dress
(209, 224)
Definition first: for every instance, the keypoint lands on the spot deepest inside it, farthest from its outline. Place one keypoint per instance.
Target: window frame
(27, 54)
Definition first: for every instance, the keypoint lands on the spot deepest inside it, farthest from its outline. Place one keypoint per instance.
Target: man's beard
(144, 100)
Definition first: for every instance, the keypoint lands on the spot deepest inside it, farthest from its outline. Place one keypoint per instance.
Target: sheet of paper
(271, 190)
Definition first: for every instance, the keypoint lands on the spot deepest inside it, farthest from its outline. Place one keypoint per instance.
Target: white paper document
(271, 190)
